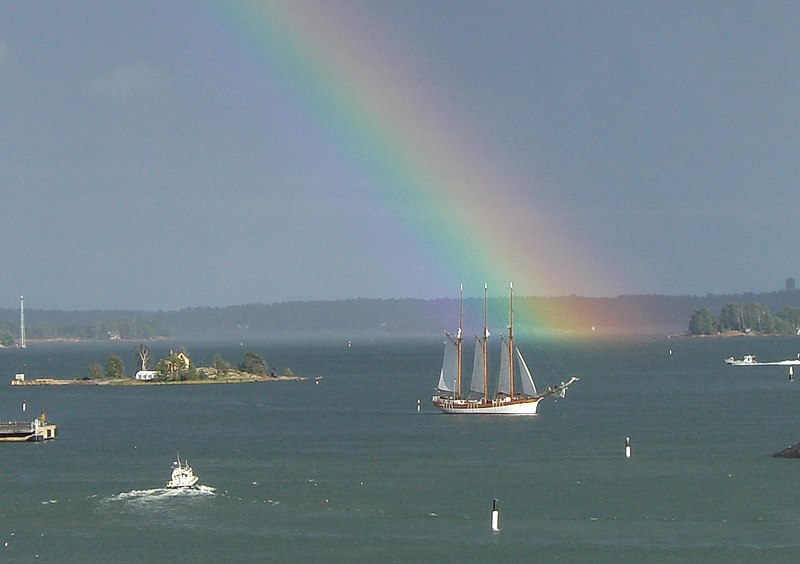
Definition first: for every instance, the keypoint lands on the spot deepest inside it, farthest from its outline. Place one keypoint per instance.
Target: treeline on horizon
(134, 327)
(628, 314)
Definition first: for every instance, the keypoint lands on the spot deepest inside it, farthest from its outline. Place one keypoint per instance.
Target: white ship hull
(182, 483)
(505, 406)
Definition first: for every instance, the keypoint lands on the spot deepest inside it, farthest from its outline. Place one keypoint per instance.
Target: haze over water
(159, 156)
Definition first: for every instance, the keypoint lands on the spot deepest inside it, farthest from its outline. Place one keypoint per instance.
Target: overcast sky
(161, 155)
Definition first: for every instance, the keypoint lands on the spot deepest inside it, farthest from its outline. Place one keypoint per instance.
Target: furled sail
(528, 386)
(504, 380)
(478, 368)
(449, 372)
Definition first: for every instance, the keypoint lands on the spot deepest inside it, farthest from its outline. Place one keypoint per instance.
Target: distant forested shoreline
(621, 315)
(55, 326)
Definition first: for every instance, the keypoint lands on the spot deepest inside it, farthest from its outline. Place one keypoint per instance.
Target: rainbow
(477, 224)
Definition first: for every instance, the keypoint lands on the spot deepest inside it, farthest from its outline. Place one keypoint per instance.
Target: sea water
(345, 469)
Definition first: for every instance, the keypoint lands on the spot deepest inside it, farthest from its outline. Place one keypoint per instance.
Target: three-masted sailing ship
(507, 398)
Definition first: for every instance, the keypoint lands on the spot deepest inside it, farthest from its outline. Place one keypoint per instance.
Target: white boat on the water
(182, 475)
(507, 398)
(750, 360)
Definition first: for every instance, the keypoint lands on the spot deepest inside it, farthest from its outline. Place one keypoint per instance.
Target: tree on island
(792, 316)
(114, 367)
(143, 353)
(220, 364)
(746, 318)
(703, 322)
(253, 363)
(8, 339)
(95, 371)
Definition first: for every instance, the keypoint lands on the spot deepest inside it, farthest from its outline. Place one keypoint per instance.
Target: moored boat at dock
(27, 431)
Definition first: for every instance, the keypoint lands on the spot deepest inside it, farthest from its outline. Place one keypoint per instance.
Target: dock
(27, 431)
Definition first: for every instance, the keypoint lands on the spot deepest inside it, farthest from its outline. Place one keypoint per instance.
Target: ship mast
(483, 346)
(511, 340)
(459, 337)
(22, 343)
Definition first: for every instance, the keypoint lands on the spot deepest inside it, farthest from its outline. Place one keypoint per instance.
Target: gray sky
(159, 155)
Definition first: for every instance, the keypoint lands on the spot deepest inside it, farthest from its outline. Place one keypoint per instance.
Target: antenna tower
(22, 322)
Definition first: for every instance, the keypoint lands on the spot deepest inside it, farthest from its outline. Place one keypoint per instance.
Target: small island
(745, 319)
(177, 368)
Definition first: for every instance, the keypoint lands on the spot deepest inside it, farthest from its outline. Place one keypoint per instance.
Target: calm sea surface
(347, 470)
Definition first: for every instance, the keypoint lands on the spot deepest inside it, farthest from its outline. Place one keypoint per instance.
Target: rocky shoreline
(789, 452)
(725, 335)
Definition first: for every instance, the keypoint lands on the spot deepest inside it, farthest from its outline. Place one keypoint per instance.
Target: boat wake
(177, 507)
(142, 497)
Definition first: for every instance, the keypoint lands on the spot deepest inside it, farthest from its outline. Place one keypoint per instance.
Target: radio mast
(22, 322)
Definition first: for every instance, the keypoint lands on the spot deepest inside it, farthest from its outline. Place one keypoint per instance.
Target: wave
(162, 494)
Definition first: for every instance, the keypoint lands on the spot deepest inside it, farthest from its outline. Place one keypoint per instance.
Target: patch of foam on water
(161, 494)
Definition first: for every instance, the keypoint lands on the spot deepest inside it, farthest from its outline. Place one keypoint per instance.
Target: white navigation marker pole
(495, 516)
(627, 447)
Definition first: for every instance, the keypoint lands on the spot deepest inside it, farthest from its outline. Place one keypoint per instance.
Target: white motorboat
(750, 360)
(747, 360)
(182, 475)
